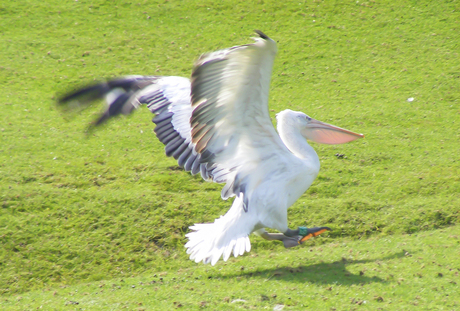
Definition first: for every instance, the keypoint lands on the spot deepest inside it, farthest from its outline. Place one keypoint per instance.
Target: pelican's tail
(208, 242)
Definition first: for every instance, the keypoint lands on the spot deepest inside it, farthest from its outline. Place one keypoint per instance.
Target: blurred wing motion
(216, 124)
(167, 97)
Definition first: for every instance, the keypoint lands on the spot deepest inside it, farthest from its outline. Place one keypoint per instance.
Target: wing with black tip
(167, 97)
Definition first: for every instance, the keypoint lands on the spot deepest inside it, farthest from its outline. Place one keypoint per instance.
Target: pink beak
(324, 133)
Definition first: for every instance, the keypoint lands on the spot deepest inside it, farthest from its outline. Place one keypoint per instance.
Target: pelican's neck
(296, 143)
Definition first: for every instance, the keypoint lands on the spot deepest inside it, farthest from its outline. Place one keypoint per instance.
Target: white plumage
(217, 123)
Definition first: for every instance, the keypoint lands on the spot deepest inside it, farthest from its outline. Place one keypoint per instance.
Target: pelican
(217, 124)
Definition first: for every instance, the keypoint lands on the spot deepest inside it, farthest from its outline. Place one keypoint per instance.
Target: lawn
(403, 272)
(79, 212)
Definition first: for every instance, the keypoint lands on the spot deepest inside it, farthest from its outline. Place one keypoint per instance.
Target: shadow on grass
(322, 273)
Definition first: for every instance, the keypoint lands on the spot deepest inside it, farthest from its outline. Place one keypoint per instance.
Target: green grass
(77, 210)
(398, 272)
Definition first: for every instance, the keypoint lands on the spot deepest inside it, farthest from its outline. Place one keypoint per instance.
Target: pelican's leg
(288, 241)
(290, 232)
(292, 238)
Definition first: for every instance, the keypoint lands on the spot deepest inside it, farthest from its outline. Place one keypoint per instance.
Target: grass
(77, 210)
(398, 272)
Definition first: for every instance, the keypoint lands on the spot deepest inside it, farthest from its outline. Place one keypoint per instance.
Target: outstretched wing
(230, 123)
(167, 97)
(218, 124)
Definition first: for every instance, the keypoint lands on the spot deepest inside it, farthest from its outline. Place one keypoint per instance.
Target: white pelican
(217, 123)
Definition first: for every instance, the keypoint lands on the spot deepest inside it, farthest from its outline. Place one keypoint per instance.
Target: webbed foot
(307, 233)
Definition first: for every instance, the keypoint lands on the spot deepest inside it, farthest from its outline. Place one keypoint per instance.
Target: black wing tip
(98, 89)
(85, 94)
(262, 35)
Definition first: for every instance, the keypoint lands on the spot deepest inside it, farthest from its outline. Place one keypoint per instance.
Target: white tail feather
(209, 242)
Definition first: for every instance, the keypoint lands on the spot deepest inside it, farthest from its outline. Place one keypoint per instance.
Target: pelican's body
(217, 123)
(284, 179)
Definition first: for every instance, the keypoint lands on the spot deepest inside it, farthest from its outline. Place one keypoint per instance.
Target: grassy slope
(397, 273)
(76, 209)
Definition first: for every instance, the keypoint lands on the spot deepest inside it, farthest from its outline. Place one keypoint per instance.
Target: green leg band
(303, 231)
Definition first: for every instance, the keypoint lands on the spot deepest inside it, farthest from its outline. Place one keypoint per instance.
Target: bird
(217, 123)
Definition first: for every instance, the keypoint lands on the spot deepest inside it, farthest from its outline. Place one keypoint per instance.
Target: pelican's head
(315, 130)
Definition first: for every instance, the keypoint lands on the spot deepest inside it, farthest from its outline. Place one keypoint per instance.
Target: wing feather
(167, 97)
(230, 119)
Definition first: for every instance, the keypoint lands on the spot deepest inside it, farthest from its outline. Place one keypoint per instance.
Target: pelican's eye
(307, 118)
